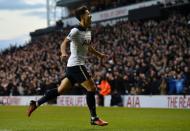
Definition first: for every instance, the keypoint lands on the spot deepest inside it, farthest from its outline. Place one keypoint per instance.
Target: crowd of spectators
(151, 57)
(33, 68)
(145, 57)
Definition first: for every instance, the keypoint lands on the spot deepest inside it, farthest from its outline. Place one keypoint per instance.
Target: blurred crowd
(151, 57)
(144, 57)
(32, 69)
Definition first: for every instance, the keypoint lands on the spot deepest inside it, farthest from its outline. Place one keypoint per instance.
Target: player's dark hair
(80, 11)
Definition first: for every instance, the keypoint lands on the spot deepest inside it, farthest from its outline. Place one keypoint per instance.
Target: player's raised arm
(64, 54)
(66, 41)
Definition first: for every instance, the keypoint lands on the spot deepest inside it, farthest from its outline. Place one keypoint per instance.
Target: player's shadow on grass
(95, 129)
(102, 129)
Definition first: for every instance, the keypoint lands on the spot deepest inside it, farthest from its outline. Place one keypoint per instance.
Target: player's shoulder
(78, 28)
(74, 29)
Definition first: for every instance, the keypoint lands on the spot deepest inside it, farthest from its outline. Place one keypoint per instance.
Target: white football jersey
(80, 39)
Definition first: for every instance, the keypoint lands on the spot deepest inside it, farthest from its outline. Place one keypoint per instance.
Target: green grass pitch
(56, 118)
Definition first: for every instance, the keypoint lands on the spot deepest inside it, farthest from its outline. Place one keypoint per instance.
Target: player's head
(83, 15)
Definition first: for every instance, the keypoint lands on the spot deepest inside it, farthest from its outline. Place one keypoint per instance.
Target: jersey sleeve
(72, 34)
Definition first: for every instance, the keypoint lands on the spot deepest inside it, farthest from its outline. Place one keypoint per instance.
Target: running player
(76, 72)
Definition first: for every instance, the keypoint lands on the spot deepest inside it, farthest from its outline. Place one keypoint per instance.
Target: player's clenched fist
(64, 56)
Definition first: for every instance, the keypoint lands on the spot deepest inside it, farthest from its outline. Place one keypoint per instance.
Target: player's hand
(64, 56)
(103, 56)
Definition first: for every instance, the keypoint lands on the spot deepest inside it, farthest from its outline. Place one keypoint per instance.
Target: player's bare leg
(64, 86)
(50, 94)
(91, 102)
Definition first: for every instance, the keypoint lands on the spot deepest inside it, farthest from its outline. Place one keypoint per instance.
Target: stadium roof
(67, 3)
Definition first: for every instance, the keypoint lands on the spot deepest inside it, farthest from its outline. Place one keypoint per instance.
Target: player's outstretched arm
(96, 53)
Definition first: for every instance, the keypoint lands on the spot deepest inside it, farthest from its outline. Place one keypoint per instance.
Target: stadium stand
(97, 5)
(145, 57)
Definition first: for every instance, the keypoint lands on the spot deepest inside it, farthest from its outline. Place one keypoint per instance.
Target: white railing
(136, 101)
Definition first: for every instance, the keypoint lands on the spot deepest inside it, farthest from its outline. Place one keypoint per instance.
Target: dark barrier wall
(144, 13)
